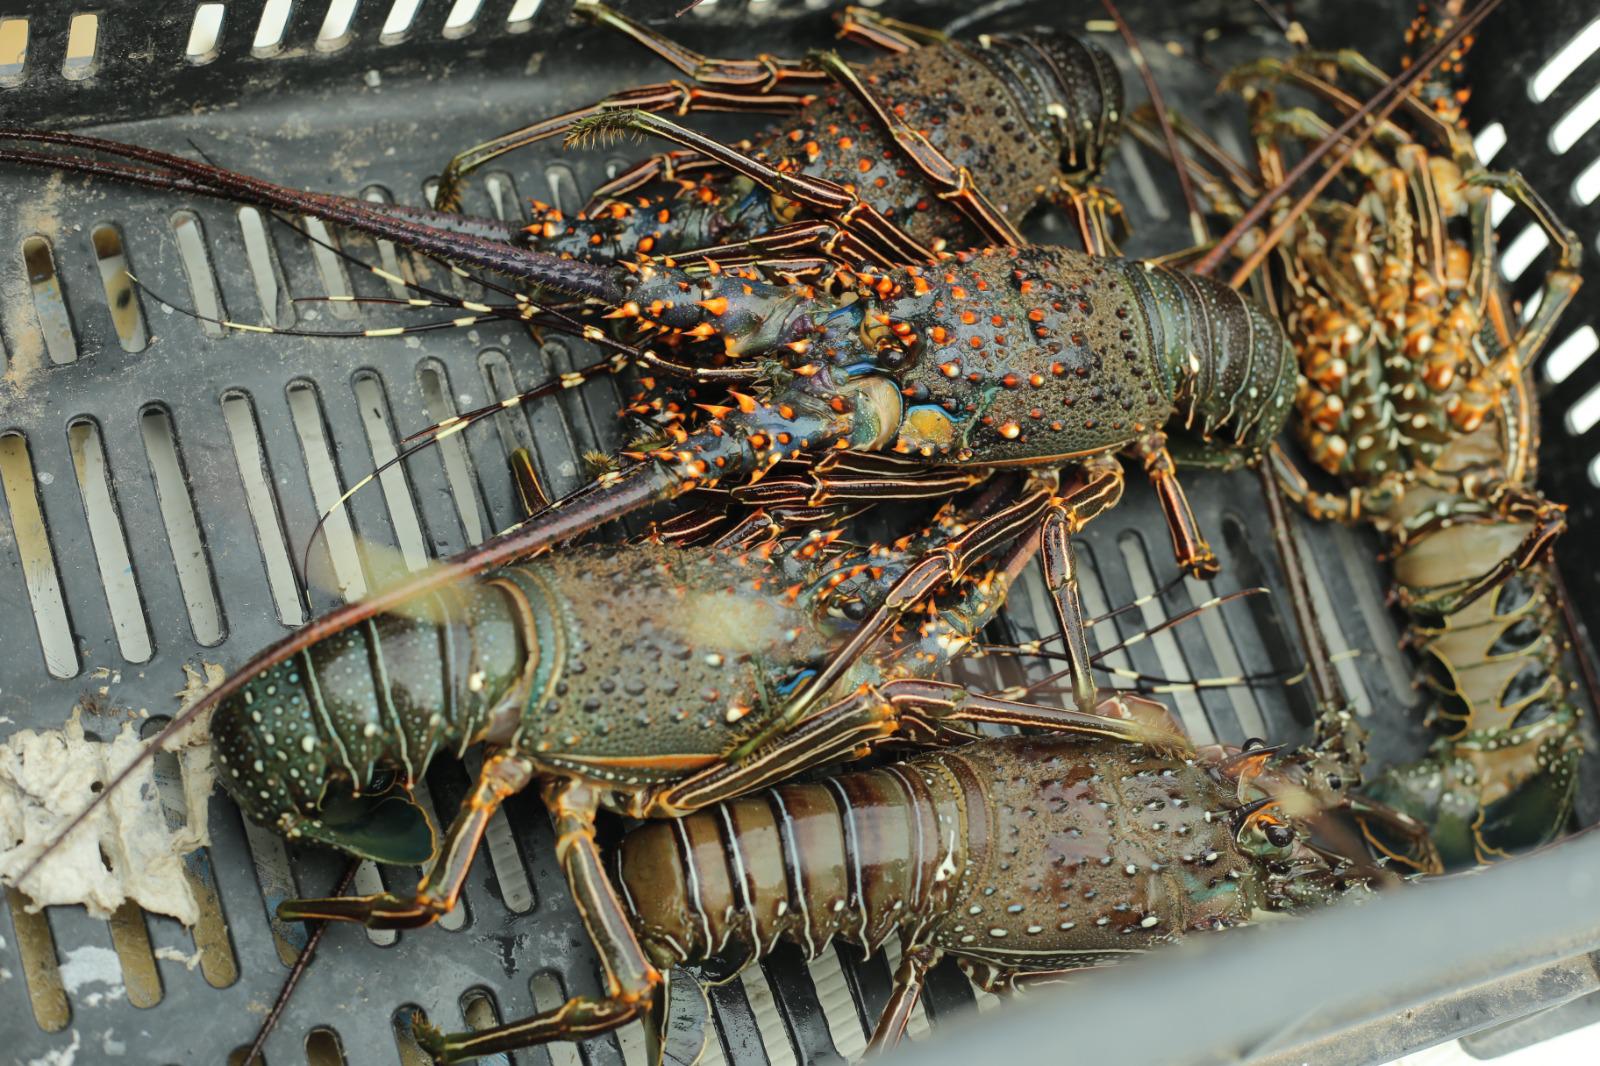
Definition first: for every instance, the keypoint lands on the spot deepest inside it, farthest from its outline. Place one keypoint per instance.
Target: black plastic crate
(220, 450)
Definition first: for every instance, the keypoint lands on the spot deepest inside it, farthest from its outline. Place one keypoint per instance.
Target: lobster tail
(1068, 82)
(1230, 365)
(366, 709)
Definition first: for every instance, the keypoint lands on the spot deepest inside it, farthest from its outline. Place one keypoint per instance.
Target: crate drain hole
(37, 557)
(183, 528)
(110, 541)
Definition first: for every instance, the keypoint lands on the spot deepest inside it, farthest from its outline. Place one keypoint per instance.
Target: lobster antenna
(1375, 108)
(1197, 225)
(1148, 632)
(574, 277)
(301, 961)
(1033, 647)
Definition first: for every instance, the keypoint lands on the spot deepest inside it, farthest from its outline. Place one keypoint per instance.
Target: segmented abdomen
(389, 693)
(856, 857)
(1233, 370)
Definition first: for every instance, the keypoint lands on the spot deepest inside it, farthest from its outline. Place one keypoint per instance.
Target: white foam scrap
(61, 1056)
(125, 850)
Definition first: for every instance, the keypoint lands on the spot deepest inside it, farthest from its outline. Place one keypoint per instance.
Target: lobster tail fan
(392, 828)
(677, 1021)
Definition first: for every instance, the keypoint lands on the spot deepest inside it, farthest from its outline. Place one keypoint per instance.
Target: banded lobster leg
(740, 85)
(850, 226)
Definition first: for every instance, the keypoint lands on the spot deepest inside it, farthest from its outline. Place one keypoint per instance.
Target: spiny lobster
(1020, 857)
(941, 143)
(1416, 395)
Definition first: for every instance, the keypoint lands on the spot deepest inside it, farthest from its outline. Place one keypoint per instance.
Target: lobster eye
(1335, 782)
(1279, 835)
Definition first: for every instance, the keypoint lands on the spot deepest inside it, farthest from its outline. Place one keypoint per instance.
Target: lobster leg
(1194, 555)
(949, 560)
(915, 962)
(530, 491)
(631, 981)
(825, 197)
(671, 96)
(1102, 490)
(953, 183)
(761, 74)
(880, 31)
(921, 710)
(503, 774)
(663, 166)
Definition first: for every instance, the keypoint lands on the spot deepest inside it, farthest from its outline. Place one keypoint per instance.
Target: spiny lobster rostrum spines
(1022, 112)
(1009, 356)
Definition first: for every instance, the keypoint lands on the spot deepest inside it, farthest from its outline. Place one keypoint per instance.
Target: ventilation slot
(513, 430)
(548, 995)
(1095, 605)
(13, 50)
(1570, 354)
(274, 23)
(36, 950)
(368, 882)
(1594, 471)
(405, 1042)
(452, 450)
(38, 562)
(1520, 254)
(479, 1012)
(397, 26)
(462, 18)
(191, 238)
(1487, 144)
(457, 915)
(49, 302)
(1245, 708)
(1586, 186)
(1152, 613)
(110, 544)
(127, 317)
(335, 31)
(503, 195)
(270, 856)
(130, 939)
(387, 255)
(563, 188)
(82, 35)
(374, 409)
(838, 1007)
(183, 529)
(335, 280)
(204, 33)
(1571, 127)
(1548, 78)
(210, 932)
(520, 18)
(1143, 183)
(337, 534)
(277, 309)
(244, 431)
(1582, 415)
(323, 1048)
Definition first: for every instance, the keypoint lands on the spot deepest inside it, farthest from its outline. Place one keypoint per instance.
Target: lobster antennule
(463, 249)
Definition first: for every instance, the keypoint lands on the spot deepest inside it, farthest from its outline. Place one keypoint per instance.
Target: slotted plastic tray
(160, 481)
